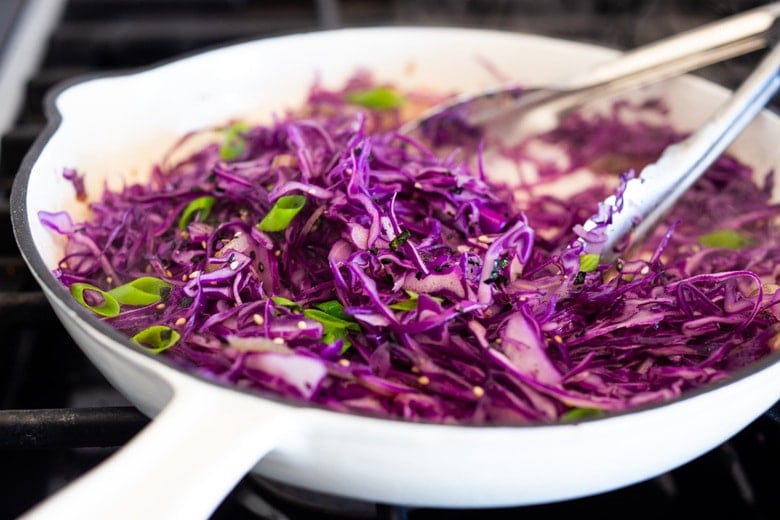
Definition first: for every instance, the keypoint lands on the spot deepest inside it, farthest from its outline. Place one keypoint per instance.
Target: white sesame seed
(423, 380)
(302, 325)
(234, 265)
(181, 321)
(484, 239)
(193, 275)
(278, 341)
(344, 362)
(159, 306)
(259, 320)
(478, 391)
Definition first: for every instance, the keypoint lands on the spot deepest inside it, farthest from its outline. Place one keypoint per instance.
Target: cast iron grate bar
(69, 427)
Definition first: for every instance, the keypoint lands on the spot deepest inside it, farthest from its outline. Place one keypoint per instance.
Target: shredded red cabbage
(404, 283)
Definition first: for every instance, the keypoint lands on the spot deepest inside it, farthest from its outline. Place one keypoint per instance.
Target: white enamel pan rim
(22, 230)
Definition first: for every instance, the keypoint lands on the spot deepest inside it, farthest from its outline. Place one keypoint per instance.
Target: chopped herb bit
(333, 326)
(725, 238)
(200, 207)
(496, 276)
(157, 338)
(589, 262)
(330, 321)
(496, 279)
(333, 308)
(379, 98)
(399, 240)
(142, 291)
(331, 336)
(95, 299)
(282, 213)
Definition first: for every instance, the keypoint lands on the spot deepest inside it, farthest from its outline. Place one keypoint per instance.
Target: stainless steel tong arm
(648, 197)
(690, 50)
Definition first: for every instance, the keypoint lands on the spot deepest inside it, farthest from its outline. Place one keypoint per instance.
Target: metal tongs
(536, 109)
(649, 196)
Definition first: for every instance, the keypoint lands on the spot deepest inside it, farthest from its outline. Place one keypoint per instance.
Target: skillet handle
(182, 465)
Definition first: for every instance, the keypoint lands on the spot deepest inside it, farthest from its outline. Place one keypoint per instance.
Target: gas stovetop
(59, 417)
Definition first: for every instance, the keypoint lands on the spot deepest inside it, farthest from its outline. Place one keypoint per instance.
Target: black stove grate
(58, 415)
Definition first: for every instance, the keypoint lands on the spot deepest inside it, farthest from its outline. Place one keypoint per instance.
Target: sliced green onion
(233, 143)
(200, 206)
(410, 303)
(379, 98)
(157, 338)
(725, 238)
(141, 291)
(284, 302)
(589, 262)
(109, 308)
(282, 213)
(576, 414)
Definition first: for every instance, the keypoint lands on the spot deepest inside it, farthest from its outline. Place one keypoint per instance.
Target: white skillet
(205, 437)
